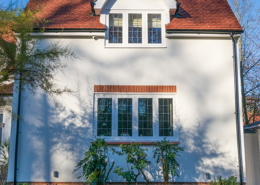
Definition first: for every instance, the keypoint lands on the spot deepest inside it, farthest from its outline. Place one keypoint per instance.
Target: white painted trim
(135, 137)
(171, 4)
(144, 44)
(178, 35)
(72, 34)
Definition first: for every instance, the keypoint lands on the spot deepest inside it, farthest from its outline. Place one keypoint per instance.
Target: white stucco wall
(252, 158)
(54, 138)
(6, 110)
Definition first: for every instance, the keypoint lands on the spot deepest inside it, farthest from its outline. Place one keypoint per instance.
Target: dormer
(135, 23)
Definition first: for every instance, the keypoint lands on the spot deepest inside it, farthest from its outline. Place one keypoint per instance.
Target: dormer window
(154, 28)
(115, 28)
(132, 28)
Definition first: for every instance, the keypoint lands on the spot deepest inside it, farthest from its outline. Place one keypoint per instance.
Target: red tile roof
(196, 15)
(6, 89)
(67, 13)
(205, 15)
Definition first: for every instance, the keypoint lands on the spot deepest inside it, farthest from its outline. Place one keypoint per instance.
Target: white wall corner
(172, 6)
(99, 5)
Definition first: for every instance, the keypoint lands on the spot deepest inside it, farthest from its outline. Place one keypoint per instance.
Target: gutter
(237, 105)
(204, 31)
(70, 30)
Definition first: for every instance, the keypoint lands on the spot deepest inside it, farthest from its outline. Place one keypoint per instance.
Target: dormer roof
(195, 15)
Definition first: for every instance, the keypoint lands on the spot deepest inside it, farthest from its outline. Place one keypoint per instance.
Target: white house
(147, 54)
(6, 97)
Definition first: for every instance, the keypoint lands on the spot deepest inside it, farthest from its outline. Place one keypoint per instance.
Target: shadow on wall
(202, 156)
(55, 138)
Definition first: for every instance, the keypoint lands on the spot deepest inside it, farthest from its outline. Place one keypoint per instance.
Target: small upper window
(154, 28)
(131, 28)
(115, 28)
(134, 28)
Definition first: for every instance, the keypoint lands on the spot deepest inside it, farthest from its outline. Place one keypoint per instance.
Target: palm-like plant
(166, 152)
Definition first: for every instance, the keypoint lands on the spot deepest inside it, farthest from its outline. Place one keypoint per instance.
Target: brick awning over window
(136, 88)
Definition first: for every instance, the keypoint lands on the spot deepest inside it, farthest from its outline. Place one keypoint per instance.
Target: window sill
(163, 45)
(142, 143)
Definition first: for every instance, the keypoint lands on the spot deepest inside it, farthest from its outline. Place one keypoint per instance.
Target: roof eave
(204, 31)
(71, 29)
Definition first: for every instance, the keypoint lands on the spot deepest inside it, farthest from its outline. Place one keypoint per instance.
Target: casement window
(154, 28)
(115, 28)
(135, 29)
(135, 117)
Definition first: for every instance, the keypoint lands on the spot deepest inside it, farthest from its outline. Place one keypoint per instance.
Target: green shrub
(166, 152)
(95, 163)
(136, 162)
(219, 181)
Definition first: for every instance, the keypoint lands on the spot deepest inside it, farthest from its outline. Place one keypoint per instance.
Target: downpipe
(237, 112)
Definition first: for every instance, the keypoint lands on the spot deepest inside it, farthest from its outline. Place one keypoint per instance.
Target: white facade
(55, 138)
(6, 114)
(252, 154)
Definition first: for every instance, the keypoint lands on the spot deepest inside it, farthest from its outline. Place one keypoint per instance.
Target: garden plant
(96, 164)
(219, 181)
(167, 152)
(136, 162)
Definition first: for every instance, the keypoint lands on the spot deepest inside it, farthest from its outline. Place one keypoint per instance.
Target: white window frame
(135, 137)
(144, 28)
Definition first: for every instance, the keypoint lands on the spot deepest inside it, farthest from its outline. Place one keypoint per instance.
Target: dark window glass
(134, 28)
(104, 117)
(154, 28)
(165, 117)
(145, 117)
(115, 28)
(124, 117)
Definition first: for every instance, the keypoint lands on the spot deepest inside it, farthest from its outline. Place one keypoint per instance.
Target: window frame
(144, 28)
(135, 96)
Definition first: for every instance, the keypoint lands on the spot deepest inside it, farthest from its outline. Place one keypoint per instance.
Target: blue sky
(6, 2)
(24, 2)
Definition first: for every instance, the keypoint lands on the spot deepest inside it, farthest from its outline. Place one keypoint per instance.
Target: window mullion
(125, 28)
(145, 29)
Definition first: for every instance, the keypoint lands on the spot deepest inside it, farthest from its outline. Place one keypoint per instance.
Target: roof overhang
(252, 127)
(99, 4)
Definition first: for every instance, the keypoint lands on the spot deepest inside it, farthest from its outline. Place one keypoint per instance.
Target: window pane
(154, 28)
(165, 117)
(145, 117)
(115, 28)
(134, 28)
(124, 117)
(104, 117)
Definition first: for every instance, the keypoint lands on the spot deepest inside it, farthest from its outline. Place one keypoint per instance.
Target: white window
(115, 28)
(128, 28)
(135, 117)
